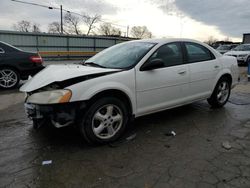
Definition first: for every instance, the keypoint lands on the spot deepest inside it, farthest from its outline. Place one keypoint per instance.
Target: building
(246, 38)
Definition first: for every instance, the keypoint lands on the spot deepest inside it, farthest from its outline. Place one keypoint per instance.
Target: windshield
(242, 48)
(224, 47)
(121, 56)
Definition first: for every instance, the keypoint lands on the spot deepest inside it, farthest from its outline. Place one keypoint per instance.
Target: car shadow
(14, 90)
(162, 122)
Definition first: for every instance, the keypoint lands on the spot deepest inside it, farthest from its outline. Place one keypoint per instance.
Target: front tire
(9, 78)
(221, 93)
(105, 121)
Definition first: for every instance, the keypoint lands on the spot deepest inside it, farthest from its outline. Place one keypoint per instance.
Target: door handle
(182, 72)
(216, 66)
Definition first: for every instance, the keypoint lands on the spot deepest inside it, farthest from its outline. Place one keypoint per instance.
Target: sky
(196, 19)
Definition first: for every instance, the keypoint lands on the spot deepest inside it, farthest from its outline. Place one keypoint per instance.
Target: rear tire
(9, 78)
(105, 121)
(221, 93)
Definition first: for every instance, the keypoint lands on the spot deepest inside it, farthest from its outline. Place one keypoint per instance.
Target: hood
(237, 52)
(58, 73)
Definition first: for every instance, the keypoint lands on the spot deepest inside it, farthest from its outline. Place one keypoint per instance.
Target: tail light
(36, 59)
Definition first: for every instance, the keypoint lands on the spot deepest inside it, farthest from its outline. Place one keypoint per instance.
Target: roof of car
(4, 43)
(164, 40)
(9, 46)
(167, 40)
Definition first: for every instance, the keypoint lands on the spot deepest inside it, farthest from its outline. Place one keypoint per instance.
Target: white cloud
(230, 17)
(161, 23)
(152, 13)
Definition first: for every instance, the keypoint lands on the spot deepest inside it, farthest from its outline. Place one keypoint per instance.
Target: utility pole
(61, 19)
(44, 6)
(61, 13)
(127, 30)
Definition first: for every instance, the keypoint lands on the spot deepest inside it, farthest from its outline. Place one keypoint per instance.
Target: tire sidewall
(86, 123)
(213, 100)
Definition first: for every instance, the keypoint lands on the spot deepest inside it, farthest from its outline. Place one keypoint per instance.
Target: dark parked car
(16, 65)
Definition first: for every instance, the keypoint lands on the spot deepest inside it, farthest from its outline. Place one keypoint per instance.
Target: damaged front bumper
(60, 115)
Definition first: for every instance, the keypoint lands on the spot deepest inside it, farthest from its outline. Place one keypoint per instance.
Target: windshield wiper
(93, 64)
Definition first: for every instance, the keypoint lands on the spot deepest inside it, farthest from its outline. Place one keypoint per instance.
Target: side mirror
(153, 64)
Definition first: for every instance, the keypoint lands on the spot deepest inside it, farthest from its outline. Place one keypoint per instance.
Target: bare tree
(107, 29)
(23, 26)
(27, 26)
(72, 23)
(90, 22)
(227, 39)
(140, 32)
(54, 27)
(211, 40)
(36, 28)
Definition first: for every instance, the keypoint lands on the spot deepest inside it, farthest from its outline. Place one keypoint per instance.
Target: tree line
(93, 25)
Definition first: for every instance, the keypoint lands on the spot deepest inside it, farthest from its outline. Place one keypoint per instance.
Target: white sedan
(126, 81)
(241, 52)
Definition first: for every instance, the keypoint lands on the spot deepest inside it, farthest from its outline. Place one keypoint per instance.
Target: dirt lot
(211, 149)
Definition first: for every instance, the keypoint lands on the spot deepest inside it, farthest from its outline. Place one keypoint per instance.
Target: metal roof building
(246, 38)
(58, 44)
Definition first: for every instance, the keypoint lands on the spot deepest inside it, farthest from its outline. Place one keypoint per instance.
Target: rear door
(203, 68)
(14, 57)
(2, 54)
(162, 87)
(7, 54)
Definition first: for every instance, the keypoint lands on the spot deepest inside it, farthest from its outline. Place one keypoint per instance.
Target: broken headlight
(50, 97)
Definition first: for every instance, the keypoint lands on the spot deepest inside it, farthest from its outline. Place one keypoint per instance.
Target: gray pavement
(211, 149)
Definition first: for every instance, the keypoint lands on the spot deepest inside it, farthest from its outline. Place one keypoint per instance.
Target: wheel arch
(228, 76)
(114, 93)
(213, 100)
(225, 73)
(10, 67)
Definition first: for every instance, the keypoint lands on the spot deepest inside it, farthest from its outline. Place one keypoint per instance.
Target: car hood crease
(58, 73)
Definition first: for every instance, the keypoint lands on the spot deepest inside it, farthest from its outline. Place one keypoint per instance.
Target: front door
(163, 87)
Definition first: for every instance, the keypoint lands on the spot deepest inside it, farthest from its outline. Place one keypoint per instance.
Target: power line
(65, 10)
(40, 5)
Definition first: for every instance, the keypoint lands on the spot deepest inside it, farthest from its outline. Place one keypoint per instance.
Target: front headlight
(50, 97)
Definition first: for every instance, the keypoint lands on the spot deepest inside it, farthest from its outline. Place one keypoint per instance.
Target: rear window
(8, 48)
(197, 53)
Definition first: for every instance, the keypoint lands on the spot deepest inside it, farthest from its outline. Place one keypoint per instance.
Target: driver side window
(170, 54)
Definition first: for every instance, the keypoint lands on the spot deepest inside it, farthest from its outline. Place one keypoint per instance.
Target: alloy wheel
(223, 92)
(107, 121)
(8, 78)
